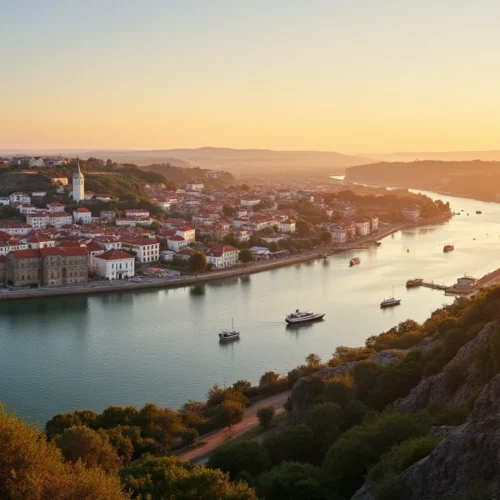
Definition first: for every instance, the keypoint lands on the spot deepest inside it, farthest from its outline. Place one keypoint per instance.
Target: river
(161, 346)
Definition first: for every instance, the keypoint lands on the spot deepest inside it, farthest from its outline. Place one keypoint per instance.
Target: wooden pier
(434, 286)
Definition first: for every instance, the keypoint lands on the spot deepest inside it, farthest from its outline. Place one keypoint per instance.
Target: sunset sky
(354, 76)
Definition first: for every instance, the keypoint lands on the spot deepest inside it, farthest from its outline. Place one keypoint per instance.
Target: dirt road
(215, 439)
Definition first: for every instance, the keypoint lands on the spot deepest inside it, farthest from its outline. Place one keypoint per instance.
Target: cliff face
(470, 453)
(434, 389)
(300, 399)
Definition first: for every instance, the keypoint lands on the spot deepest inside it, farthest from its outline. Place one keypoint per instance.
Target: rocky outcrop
(434, 389)
(300, 398)
(471, 452)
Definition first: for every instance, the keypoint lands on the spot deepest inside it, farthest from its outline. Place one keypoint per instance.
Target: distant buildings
(223, 256)
(411, 213)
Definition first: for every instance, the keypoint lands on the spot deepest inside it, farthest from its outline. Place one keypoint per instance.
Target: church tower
(78, 183)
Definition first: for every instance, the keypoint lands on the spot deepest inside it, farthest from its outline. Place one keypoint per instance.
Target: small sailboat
(390, 302)
(232, 334)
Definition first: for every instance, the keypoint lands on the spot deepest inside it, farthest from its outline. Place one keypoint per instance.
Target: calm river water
(58, 355)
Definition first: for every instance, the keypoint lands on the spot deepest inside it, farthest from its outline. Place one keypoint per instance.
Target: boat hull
(311, 319)
(226, 339)
(391, 304)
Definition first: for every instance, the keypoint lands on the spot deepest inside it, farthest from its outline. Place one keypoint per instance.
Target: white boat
(229, 334)
(303, 317)
(391, 301)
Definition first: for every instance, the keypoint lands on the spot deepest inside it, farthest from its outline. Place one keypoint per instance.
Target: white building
(411, 213)
(339, 234)
(287, 226)
(15, 228)
(188, 233)
(4, 200)
(11, 246)
(249, 202)
(55, 207)
(134, 221)
(147, 250)
(78, 184)
(113, 265)
(194, 186)
(43, 218)
(19, 197)
(136, 212)
(223, 256)
(82, 215)
(176, 243)
(38, 194)
(362, 227)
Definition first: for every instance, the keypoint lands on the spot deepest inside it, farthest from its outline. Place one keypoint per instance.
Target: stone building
(47, 266)
(78, 184)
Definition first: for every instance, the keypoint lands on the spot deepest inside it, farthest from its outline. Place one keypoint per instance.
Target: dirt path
(215, 439)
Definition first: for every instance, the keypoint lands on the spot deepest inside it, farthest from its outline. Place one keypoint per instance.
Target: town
(188, 229)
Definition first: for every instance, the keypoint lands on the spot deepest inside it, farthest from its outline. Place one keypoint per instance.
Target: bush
(292, 480)
(402, 456)
(235, 458)
(488, 358)
(357, 449)
(293, 444)
(190, 436)
(171, 478)
(454, 375)
(265, 416)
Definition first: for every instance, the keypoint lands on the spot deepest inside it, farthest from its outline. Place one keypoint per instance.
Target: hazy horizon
(339, 76)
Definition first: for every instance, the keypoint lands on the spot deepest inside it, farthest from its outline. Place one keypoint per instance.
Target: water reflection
(245, 280)
(197, 290)
(28, 307)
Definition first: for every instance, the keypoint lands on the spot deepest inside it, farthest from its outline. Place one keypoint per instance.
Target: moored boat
(390, 302)
(478, 212)
(229, 334)
(414, 282)
(354, 261)
(303, 317)
(448, 248)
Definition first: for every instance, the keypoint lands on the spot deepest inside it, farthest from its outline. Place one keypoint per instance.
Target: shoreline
(256, 267)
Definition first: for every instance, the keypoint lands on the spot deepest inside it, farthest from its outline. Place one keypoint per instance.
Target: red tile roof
(114, 255)
(66, 252)
(220, 251)
(26, 254)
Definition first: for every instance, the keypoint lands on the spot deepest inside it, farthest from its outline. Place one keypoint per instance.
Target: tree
(32, 468)
(62, 421)
(265, 416)
(170, 478)
(268, 379)
(190, 436)
(235, 458)
(292, 480)
(197, 262)
(313, 361)
(230, 413)
(302, 227)
(245, 256)
(293, 444)
(326, 237)
(228, 210)
(245, 187)
(91, 447)
(242, 386)
(161, 424)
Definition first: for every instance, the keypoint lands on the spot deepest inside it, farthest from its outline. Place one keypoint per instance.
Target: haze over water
(58, 355)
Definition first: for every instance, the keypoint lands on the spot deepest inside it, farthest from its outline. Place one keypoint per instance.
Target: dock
(434, 286)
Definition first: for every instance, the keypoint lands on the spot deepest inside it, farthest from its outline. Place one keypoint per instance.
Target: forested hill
(185, 175)
(475, 179)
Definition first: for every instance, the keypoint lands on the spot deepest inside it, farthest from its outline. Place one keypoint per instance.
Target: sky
(353, 76)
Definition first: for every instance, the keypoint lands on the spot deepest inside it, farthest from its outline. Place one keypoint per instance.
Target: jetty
(434, 286)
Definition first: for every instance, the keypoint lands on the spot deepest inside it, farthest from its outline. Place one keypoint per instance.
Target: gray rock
(434, 389)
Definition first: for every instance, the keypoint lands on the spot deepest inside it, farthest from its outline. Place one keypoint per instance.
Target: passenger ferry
(414, 282)
(303, 317)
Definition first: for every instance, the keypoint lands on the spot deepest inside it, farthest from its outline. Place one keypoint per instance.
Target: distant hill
(439, 156)
(237, 160)
(180, 176)
(475, 179)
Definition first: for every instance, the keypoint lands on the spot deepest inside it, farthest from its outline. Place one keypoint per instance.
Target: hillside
(183, 175)
(23, 181)
(436, 155)
(475, 179)
(238, 160)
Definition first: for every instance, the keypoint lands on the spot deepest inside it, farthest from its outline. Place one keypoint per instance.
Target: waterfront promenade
(96, 287)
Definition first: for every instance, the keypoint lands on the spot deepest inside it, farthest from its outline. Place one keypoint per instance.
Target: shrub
(488, 358)
(190, 436)
(265, 416)
(454, 375)
(235, 458)
(169, 478)
(293, 444)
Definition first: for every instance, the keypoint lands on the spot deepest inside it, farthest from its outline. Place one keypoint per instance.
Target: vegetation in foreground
(348, 433)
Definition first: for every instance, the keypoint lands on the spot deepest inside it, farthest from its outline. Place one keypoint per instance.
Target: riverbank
(102, 287)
